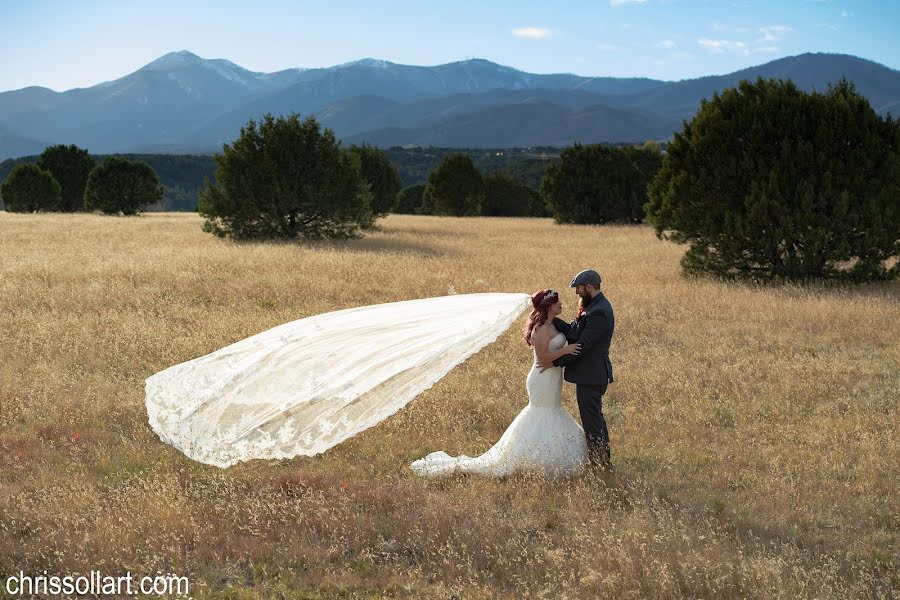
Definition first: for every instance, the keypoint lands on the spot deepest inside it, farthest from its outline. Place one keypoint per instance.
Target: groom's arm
(594, 329)
(562, 326)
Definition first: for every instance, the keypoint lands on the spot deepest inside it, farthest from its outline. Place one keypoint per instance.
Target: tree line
(285, 177)
(66, 178)
(181, 176)
(766, 182)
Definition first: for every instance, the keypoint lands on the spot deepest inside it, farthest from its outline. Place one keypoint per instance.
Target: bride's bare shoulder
(545, 331)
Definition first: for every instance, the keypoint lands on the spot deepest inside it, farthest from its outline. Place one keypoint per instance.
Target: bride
(303, 387)
(543, 437)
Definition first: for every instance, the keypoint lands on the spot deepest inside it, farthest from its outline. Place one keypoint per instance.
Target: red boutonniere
(580, 312)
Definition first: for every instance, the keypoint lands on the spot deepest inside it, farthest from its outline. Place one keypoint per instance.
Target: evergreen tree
(29, 188)
(426, 206)
(506, 197)
(768, 181)
(538, 204)
(409, 199)
(284, 178)
(70, 166)
(648, 159)
(118, 185)
(455, 188)
(597, 184)
(382, 176)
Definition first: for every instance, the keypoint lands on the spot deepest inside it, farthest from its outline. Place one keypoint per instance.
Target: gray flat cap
(587, 276)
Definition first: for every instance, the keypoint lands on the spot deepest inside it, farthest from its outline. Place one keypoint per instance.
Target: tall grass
(754, 430)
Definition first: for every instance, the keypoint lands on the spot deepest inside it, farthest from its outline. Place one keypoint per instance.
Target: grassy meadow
(754, 429)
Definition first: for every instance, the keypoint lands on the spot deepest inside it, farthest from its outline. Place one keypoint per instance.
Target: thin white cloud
(830, 26)
(723, 46)
(668, 44)
(623, 2)
(773, 33)
(534, 33)
(609, 48)
(845, 13)
(766, 42)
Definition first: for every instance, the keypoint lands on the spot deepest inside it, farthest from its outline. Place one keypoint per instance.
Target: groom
(590, 370)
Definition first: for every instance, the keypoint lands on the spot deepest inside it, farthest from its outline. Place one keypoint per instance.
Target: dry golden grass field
(755, 430)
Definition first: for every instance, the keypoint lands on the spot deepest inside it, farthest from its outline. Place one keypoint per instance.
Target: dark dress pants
(590, 405)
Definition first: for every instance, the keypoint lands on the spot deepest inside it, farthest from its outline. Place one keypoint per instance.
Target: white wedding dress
(543, 438)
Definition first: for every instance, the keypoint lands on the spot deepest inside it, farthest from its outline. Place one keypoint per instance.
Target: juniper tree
(768, 181)
(284, 178)
(70, 166)
(29, 188)
(455, 188)
(118, 185)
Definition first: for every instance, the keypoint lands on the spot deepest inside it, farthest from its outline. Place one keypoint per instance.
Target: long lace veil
(304, 386)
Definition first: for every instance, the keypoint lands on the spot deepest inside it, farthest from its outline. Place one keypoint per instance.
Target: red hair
(541, 301)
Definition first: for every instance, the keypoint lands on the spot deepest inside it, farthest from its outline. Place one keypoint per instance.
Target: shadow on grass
(420, 232)
(838, 289)
(365, 244)
(882, 290)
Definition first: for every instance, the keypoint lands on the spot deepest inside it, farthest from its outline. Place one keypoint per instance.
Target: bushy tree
(538, 204)
(455, 188)
(506, 197)
(29, 188)
(770, 182)
(648, 159)
(118, 185)
(382, 176)
(409, 199)
(426, 205)
(70, 166)
(284, 178)
(597, 184)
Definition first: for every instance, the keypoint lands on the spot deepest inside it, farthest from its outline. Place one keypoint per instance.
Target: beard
(582, 305)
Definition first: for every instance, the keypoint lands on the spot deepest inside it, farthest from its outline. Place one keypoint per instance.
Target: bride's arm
(542, 345)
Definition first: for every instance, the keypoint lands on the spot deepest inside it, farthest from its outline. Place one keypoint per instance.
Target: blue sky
(62, 44)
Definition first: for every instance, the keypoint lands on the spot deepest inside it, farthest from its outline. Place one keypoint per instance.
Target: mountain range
(182, 103)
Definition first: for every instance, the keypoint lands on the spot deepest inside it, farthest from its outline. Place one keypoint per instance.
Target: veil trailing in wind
(307, 385)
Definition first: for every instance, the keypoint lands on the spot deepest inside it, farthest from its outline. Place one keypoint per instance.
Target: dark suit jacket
(594, 331)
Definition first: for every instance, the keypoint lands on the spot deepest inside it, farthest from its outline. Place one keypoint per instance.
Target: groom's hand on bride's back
(571, 348)
(567, 349)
